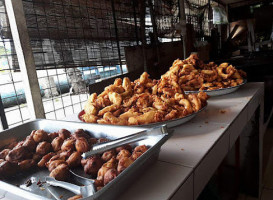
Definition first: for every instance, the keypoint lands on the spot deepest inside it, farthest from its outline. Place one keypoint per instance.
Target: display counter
(195, 150)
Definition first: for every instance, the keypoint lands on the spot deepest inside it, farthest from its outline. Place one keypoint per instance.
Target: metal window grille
(12, 95)
(197, 14)
(167, 16)
(81, 39)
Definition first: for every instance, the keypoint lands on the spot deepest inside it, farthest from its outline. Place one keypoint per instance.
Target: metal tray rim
(12, 189)
(220, 89)
(152, 124)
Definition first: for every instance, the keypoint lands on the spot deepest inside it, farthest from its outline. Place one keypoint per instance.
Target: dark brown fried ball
(30, 144)
(53, 135)
(57, 143)
(93, 165)
(36, 157)
(40, 136)
(98, 183)
(82, 145)
(45, 159)
(64, 134)
(83, 162)
(112, 163)
(26, 164)
(80, 133)
(136, 154)
(74, 160)
(53, 164)
(110, 175)
(19, 144)
(68, 145)
(124, 163)
(7, 169)
(92, 141)
(43, 148)
(141, 148)
(123, 153)
(60, 173)
(65, 154)
(4, 153)
(18, 154)
(56, 157)
(127, 147)
(32, 133)
(108, 155)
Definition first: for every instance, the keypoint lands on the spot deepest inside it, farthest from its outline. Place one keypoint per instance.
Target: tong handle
(69, 186)
(99, 148)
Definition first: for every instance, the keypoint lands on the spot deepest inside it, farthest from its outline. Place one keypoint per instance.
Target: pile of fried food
(143, 101)
(194, 74)
(61, 151)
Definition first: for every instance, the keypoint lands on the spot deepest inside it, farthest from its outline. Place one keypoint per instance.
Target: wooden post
(135, 4)
(3, 119)
(183, 26)
(250, 36)
(142, 33)
(116, 32)
(155, 35)
(25, 57)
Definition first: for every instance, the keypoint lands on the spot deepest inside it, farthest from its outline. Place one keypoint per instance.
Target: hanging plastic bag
(219, 15)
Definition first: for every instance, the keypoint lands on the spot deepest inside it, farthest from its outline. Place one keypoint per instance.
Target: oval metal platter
(219, 92)
(169, 123)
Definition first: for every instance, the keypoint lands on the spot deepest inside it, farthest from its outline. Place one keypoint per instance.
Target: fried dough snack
(194, 75)
(145, 101)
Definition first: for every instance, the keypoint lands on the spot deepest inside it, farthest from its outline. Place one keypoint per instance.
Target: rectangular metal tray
(17, 187)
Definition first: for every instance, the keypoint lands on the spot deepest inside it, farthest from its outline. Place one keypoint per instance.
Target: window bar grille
(43, 59)
(106, 43)
(116, 33)
(12, 110)
(25, 56)
(13, 86)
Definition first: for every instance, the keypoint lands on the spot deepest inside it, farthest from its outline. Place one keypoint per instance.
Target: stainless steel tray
(110, 191)
(169, 123)
(219, 92)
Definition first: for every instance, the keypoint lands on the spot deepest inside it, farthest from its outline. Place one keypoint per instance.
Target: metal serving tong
(86, 190)
(102, 147)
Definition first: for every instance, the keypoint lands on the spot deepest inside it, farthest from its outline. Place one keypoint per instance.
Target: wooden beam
(25, 57)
